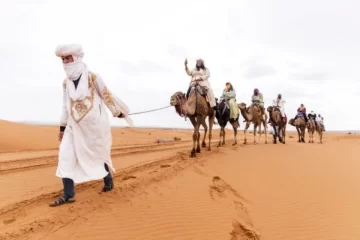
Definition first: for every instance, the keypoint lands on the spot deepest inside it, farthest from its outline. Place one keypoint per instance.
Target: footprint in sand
(219, 187)
(165, 166)
(8, 221)
(128, 177)
(242, 231)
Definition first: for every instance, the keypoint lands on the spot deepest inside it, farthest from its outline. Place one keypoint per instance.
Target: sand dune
(277, 192)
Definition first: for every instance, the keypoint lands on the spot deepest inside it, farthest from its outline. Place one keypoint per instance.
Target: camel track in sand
(27, 160)
(35, 217)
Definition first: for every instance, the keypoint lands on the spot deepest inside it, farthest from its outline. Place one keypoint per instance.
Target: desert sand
(275, 192)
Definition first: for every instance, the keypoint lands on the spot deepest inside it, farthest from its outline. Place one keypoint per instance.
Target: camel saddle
(200, 89)
(300, 115)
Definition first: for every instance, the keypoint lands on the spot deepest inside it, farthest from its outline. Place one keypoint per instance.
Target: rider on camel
(312, 116)
(301, 110)
(257, 99)
(279, 104)
(200, 74)
(229, 95)
(320, 120)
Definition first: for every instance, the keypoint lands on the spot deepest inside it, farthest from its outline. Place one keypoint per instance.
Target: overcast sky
(308, 50)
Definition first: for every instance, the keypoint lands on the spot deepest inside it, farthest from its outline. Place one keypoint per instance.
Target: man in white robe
(201, 74)
(85, 133)
(280, 104)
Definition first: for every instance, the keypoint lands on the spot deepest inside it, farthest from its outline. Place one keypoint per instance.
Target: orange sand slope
(294, 191)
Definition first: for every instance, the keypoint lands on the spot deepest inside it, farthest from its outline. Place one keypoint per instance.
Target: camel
(253, 115)
(196, 108)
(320, 129)
(279, 126)
(311, 129)
(223, 117)
(300, 125)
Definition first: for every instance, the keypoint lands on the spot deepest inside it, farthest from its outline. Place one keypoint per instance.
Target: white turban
(74, 70)
(74, 50)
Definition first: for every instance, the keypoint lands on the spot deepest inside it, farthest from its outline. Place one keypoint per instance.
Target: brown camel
(320, 129)
(300, 125)
(223, 117)
(311, 129)
(253, 115)
(196, 108)
(278, 124)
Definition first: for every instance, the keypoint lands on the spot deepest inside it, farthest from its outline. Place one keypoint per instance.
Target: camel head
(242, 106)
(176, 99)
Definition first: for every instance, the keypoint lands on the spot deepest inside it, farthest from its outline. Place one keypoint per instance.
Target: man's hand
(186, 62)
(60, 136)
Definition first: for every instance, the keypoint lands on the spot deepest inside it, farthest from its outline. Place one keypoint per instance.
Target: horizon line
(156, 127)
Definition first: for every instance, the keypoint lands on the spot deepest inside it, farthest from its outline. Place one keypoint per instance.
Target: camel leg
(205, 132)
(196, 130)
(220, 134)
(259, 133)
(245, 131)
(283, 134)
(255, 128)
(211, 124)
(265, 128)
(223, 137)
(303, 135)
(198, 149)
(321, 135)
(299, 134)
(235, 126)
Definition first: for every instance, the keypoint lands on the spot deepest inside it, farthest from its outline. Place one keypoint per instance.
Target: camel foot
(234, 143)
(219, 145)
(274, 142)
(245, 142)
(299, 141)
(223, 143)
(302, 140)
(198, 150)
(209, 149)
(265, 142)
(193, 153)
(283, 142)
(203, 145)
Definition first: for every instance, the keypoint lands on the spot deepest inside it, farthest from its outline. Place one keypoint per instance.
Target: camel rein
(152, 110)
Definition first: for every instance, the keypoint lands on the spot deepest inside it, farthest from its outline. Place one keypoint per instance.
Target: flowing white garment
(204, 74)
(87, 140)
(281, 105)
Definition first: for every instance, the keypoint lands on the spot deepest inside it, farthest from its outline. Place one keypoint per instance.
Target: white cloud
(307, 50)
